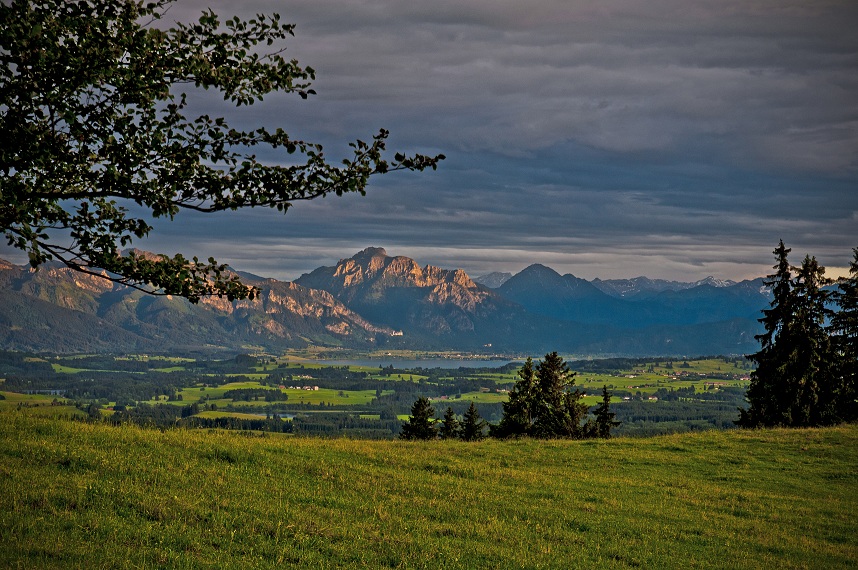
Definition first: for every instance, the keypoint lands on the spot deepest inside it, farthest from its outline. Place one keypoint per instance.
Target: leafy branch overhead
(95, 126)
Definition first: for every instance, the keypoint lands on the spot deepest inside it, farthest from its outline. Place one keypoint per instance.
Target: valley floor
(96, 496)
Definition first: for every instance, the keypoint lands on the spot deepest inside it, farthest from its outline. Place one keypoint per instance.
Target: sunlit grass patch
(330, 396)
(203, 498)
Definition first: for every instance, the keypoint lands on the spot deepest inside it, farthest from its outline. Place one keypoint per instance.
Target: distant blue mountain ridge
(373, 300)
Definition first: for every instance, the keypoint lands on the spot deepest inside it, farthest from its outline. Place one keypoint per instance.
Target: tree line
(808, 358)
(542, 404)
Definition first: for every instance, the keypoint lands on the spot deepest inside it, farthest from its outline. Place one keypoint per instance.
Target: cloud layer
(671, 138)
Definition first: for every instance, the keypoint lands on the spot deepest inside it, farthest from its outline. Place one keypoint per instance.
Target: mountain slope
(372, 299)
(56, 309)
(543, 291)
(425, 301)
(31, 324)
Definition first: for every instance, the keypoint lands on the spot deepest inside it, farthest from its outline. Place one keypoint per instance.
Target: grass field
(81, 495)
(239, 415)
(314, 397)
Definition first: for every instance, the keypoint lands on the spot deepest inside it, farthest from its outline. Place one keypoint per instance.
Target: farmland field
(650, 396)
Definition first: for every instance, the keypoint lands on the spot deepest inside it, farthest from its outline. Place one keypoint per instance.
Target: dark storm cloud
(671, 138)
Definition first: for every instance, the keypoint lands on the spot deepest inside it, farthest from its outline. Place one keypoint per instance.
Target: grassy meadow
(77, 495)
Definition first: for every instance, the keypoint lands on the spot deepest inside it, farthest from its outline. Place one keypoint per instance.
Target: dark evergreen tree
(449, 425)
(844, 338)
(605, 418)
(517, 417)
(421, 423)
(558, 411)
(812, 358)
(792, 385)
(542, 404)
(764, 396)
(472, 425)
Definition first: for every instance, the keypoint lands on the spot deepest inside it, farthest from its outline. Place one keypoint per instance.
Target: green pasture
(646, 383)
(329, 396)
(498, 378)
(239, 415)
(91, 495)
(63, 369)
(198, 394)
(594, 400)
(14, 399)
(38, 405)
(479, 398)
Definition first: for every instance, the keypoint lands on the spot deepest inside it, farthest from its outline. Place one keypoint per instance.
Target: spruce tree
(421, 423)
(604, 416)
(844, 338)
(472, 425)
(449, 425)
(518, 409)
(764, 394)
(812, 358)
(558, 411)
(792, 385)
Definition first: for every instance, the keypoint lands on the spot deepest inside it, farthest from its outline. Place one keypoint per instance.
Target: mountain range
(375, 300)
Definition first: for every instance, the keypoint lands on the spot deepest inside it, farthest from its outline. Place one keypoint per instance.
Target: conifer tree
(558, 411)
(449, 425)
(542, 404)
(812, 380)
(844, 338)
(604, 416)
(763, 394)
(472, 425)
(421, 423)
(792, 385)
(518, 409)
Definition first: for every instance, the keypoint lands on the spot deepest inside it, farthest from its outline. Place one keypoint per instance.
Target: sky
(675, 139)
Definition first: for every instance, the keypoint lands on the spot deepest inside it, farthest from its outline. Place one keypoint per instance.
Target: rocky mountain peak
(375, 268)
(369, 254)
